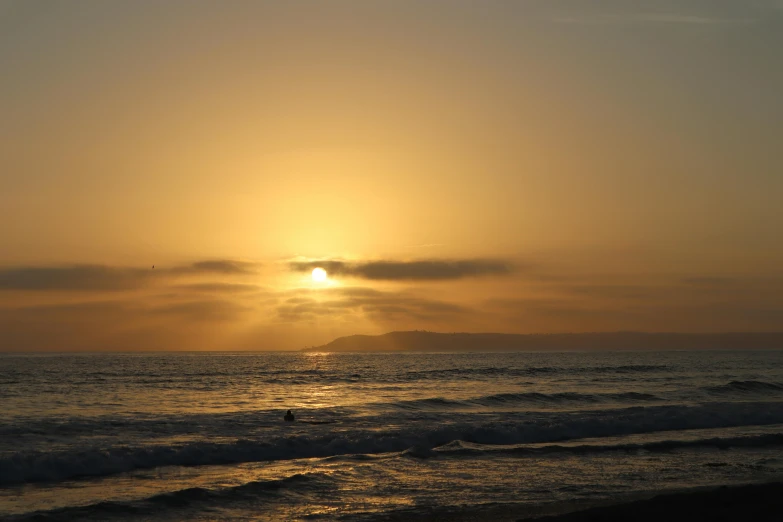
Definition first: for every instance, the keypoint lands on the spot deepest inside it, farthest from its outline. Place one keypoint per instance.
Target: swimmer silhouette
(289, 417)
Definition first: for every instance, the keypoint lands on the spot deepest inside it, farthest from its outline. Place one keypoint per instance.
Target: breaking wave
(752, 441)
(176, 499)
(746, 387)
(567, 397)
(539, 427)
(533, 371)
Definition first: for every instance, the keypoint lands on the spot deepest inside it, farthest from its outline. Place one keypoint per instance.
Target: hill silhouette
(424, 341)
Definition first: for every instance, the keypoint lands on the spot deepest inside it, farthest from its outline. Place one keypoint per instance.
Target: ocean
(201, 436)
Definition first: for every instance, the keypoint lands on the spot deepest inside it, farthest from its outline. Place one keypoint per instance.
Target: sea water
(198, 436)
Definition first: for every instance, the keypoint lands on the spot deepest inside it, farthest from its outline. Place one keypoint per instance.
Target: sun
(319, 275)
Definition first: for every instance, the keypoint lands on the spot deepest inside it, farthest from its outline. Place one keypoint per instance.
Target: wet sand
(761, 502)
(751, 503)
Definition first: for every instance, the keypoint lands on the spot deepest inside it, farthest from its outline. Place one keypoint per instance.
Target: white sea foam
(324, 442)
(465, 419)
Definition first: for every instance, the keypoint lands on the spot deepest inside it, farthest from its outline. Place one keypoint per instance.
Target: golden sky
(528, 166)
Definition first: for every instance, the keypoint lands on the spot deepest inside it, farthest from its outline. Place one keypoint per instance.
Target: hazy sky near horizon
(519, 166)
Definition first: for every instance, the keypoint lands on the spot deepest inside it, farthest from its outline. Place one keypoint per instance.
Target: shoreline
(753, 502)
(756, 502)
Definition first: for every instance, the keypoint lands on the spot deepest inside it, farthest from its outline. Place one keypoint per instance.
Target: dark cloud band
(430, 270)
(375, 304)
(108, 278)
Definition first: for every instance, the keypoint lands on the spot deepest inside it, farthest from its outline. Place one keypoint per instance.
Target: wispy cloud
(375, 304)
(126, 324)
(427, 245)
(79, 277)
(708, 281)
(109, 278)
(121, 311)
(220, 288)
(648, 18)
(210, 310)
(220, 266)
(424, 270)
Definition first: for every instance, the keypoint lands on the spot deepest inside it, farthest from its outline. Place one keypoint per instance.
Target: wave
(176, 377)
(420, 431)
(480, 372)
(506, 399)
(175, 499)
(436, 403)
(628, 368)
(458, 448)
(534, 371)
(758, 387)
(217, 424)
(566, 397)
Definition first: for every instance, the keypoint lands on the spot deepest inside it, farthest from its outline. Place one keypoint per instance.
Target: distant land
(423, 341)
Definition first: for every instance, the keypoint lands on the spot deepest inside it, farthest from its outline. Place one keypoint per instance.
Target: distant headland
(424, 341)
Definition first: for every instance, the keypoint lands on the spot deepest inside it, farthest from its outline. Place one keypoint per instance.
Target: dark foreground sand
(759, 502)
(763, 502)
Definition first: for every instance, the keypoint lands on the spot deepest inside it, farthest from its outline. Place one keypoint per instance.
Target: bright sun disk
(319, 275)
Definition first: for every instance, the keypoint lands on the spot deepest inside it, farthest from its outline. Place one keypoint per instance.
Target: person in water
(289, 417)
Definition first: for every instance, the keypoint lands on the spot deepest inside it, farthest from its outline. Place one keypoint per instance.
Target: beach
(753, 502)
(761, 502)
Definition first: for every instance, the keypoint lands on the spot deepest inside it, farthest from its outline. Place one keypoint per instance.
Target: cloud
(220, 288)
(696, 304)
(211, 310)
(377, 305)
(611, 291)
(79, 277)
(108, 278)
(425, 270)
(131, 324)
(216, 267)
(119, 311)
(707, 281)
(691, 290)
(648, 18)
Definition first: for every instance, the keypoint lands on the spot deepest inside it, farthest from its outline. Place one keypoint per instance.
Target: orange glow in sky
(450, 166)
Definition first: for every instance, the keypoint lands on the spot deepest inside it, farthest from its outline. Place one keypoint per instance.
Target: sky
(525, 166)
